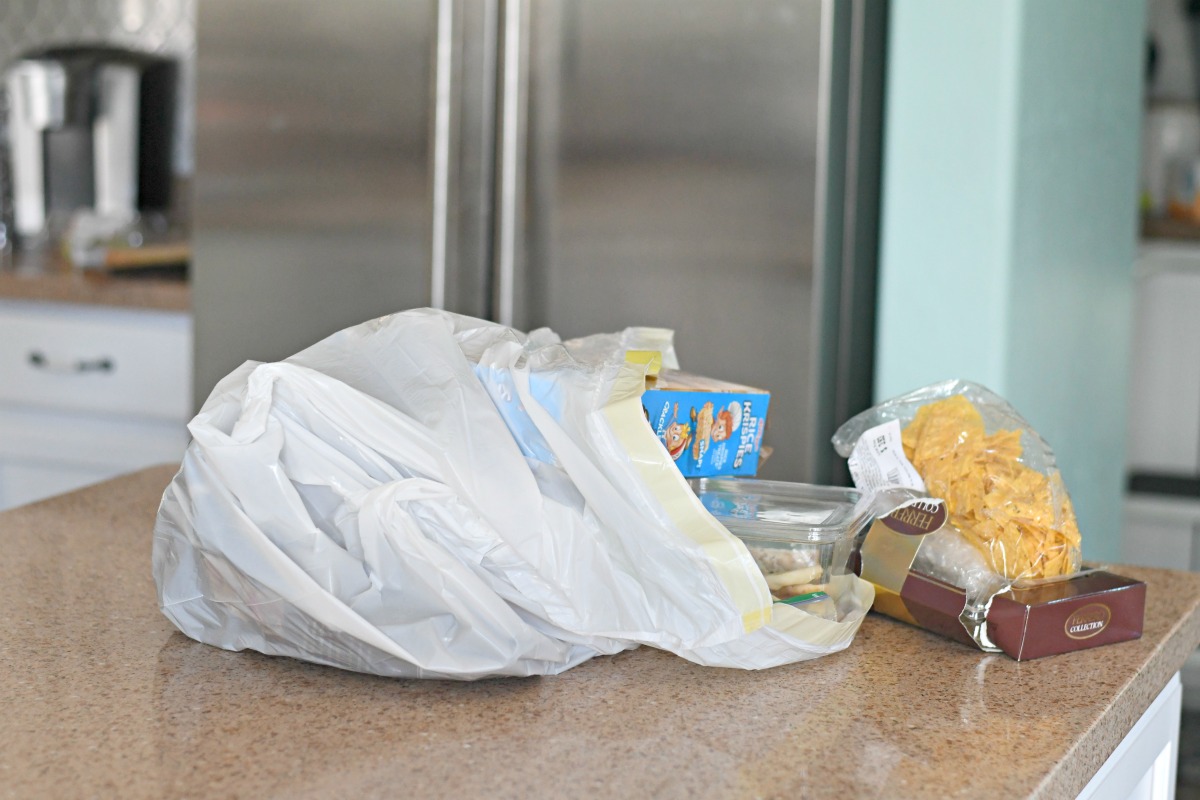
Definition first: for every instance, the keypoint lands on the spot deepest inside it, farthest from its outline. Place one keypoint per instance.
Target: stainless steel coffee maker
(89, 128)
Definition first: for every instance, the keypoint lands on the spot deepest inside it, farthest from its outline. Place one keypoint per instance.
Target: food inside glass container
(799, 535)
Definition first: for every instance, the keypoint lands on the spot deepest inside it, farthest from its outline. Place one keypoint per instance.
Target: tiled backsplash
(166, 27)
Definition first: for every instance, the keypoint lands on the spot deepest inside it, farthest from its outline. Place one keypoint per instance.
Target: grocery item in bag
(987, 549)
(799, 535)
(1018, 517)
(963, 443)
(709, 427)
(431, 495)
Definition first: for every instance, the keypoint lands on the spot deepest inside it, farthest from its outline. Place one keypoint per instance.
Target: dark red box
(1091, 608)
(1088, 610)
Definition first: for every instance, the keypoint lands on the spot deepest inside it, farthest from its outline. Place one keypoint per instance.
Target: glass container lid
(778, 510)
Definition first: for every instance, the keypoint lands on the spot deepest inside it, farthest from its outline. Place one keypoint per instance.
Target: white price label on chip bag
(878, 461)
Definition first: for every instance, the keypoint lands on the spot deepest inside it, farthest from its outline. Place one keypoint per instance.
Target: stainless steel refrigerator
(704, 165)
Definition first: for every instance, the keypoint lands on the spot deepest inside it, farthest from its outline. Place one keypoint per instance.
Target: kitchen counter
(102, 697)
(58, 284)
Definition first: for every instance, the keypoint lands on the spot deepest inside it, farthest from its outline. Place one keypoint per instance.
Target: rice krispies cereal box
(709, 427)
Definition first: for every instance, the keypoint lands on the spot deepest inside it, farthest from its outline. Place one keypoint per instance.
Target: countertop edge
(1131, 702)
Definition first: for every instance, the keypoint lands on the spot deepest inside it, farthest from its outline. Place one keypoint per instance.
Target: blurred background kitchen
(836, 200)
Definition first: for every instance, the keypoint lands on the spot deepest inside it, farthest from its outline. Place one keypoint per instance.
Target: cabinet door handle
(41, 361)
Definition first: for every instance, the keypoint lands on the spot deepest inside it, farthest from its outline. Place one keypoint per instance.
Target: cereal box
(709, 427)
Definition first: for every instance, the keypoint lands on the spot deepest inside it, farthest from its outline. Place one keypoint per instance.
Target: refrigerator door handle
(440, 146)
(462, 130)
(511, 139)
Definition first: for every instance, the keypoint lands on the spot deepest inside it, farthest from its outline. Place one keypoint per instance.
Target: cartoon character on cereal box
(712, 427)
(677, 435)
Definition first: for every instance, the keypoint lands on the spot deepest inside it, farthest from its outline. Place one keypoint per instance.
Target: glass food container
(800, 535)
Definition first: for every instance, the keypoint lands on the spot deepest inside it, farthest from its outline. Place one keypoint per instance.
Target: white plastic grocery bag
(430, 495)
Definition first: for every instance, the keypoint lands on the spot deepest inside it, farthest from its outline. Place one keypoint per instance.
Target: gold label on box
(892, 542)
(1088, 621)
(917, 517)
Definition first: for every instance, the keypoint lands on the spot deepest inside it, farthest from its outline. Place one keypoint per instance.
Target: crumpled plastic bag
(430, 495)
(1010, 517)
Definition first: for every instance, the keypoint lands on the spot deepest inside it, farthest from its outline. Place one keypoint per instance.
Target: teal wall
(1009, 220)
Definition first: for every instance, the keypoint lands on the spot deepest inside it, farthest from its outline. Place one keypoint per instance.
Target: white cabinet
(1162, 512)
(1143, 766)
(1164, 531)
(1164, 402)
(88, 392)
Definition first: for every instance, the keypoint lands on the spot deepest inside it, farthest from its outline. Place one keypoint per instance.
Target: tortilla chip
(1020, 519)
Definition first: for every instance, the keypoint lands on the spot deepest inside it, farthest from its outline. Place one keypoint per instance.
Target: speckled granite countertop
(58, 284)
(101, 697)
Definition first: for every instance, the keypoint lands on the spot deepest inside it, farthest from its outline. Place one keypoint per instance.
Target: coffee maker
(89, 128)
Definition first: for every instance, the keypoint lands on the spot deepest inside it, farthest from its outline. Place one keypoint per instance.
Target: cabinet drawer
(104, 360)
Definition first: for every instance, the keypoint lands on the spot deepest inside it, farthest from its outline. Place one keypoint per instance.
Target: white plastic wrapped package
(429, 495)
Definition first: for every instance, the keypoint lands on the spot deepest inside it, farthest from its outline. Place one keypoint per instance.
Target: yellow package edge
(726, 553)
